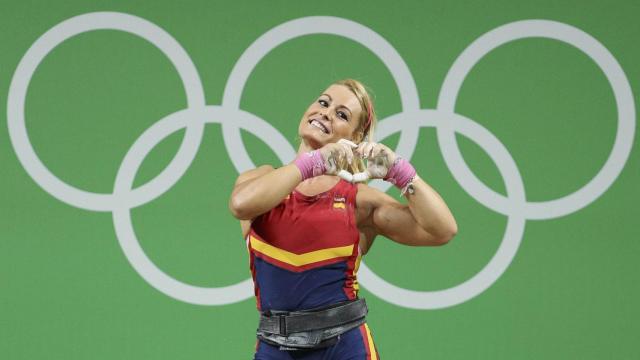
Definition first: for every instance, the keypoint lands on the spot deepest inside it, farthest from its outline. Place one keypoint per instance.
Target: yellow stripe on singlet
(356, 285)
(299, 259)
(338, 205)
(372, 347)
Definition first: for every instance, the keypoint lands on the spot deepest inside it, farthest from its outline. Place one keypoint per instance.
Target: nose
(323, 113)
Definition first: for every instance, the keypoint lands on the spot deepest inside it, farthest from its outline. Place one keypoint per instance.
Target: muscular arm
(424, 221)
(431, 212)
(258, 191)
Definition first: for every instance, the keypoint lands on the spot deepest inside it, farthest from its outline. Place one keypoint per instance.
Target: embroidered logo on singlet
(339, 202)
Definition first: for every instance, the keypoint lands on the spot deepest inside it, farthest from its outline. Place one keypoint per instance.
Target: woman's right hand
(336, 157)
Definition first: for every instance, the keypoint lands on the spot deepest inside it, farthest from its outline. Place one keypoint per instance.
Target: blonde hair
(367, 120)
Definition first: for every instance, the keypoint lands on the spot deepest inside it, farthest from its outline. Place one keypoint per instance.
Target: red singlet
(304, 252)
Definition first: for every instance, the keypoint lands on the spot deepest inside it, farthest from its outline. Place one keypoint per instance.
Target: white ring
(122, 212)
(508, 247)
(45, 44)
(233, 119)
(307, 26)
(621, 90)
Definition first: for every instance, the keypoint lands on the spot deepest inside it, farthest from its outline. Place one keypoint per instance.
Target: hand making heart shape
(335, 158)
(378, 159)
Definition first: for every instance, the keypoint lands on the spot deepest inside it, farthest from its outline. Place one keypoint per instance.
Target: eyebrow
(341, 106)
(349, 110)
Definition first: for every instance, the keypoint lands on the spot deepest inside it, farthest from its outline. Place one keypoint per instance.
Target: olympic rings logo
(232, 119)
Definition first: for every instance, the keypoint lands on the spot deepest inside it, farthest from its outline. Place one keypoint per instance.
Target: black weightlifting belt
(313, 328)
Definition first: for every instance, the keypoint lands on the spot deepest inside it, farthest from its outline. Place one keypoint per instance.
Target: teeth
(319, 125)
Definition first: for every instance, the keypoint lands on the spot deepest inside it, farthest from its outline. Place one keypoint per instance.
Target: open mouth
(319, 125)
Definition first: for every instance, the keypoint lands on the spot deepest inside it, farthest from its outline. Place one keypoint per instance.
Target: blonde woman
(307, 228)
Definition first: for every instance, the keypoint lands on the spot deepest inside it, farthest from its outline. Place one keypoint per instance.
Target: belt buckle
(282, 319)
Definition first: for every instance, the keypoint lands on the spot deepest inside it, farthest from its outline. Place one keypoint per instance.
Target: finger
(348, 143)
(343, 153)
(331, 158)
(329, 150)
(360, 147)
(377, 151)
(360, 177)
(349, 152)
(344, 174)
(368, 150)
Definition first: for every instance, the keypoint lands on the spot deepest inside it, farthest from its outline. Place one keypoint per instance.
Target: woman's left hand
(379, 158)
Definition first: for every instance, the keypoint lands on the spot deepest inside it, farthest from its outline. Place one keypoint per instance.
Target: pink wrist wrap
(310, 164)
(401, 173)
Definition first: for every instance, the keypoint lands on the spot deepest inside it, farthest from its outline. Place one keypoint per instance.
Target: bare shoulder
(245, 225)
(254, 173)
(371, 202)
(372, 198)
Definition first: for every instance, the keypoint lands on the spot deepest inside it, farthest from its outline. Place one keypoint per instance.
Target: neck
(304, 147)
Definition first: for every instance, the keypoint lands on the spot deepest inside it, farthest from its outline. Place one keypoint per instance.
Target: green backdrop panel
(71, 284)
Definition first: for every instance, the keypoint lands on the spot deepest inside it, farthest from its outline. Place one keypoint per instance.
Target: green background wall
(67, 291)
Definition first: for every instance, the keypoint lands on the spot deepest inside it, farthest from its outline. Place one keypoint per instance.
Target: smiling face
(334, 115)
